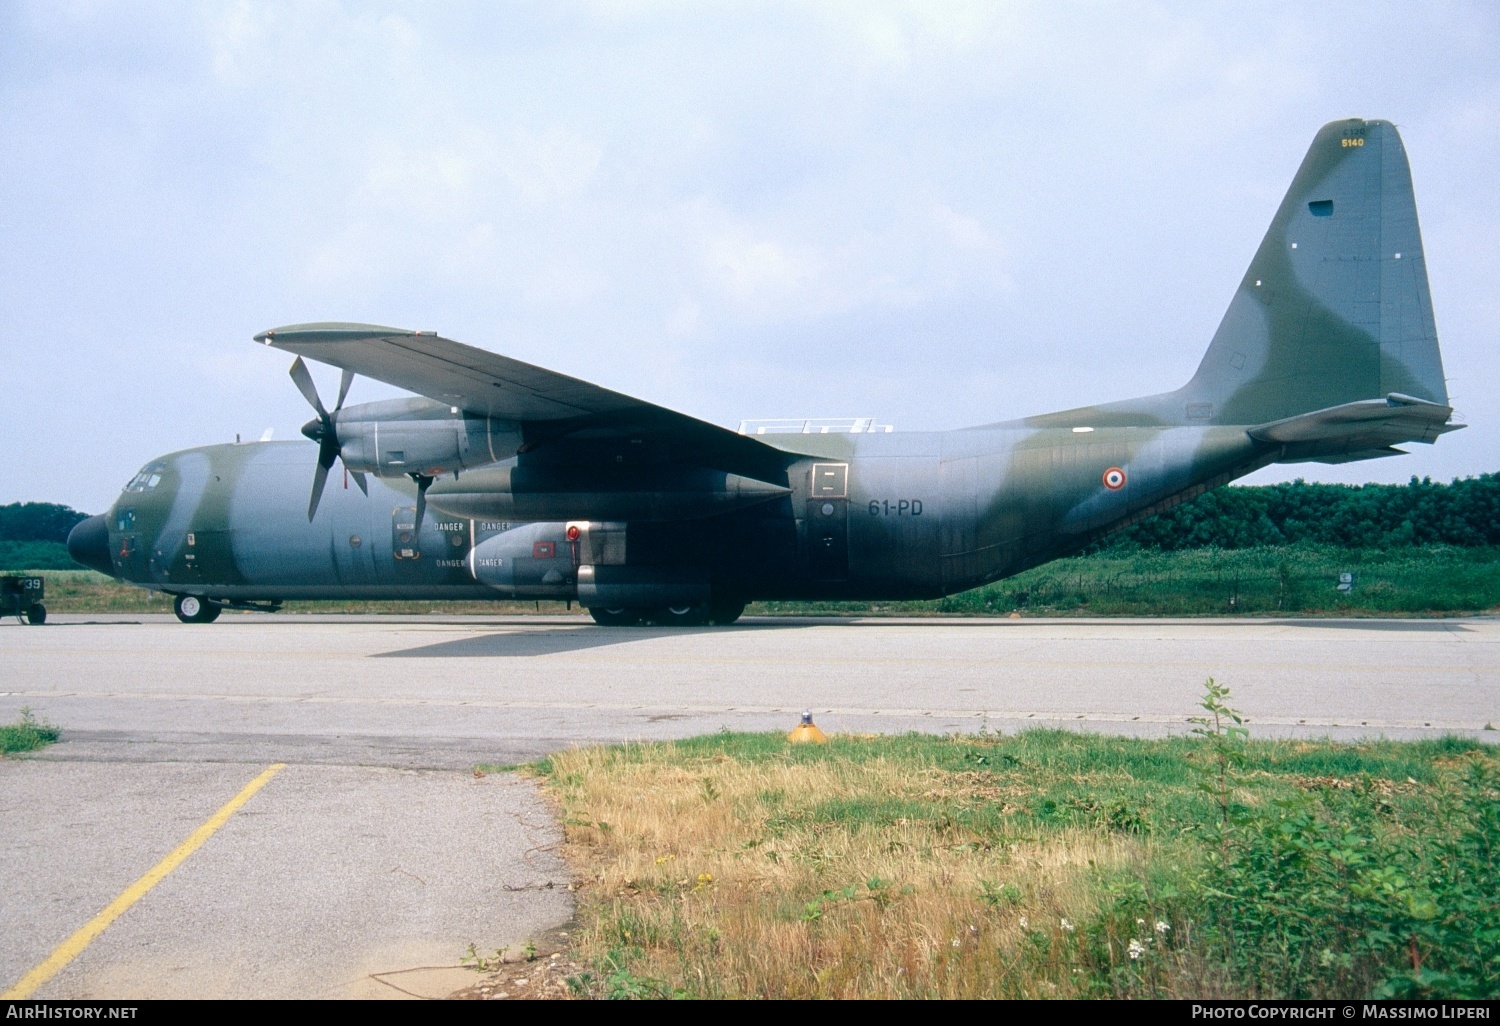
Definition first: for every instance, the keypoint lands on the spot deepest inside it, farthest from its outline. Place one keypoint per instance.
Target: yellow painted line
(74, 945)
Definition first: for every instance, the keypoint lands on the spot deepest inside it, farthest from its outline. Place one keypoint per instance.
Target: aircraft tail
(1335, 306)
(1333, 318)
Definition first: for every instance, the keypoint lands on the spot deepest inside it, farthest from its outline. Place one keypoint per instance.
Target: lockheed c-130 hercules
(504, 480)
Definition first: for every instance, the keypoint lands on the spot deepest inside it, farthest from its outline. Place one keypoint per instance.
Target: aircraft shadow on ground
(524, 643)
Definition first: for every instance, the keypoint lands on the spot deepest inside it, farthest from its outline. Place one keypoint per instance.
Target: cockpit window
(148, 478)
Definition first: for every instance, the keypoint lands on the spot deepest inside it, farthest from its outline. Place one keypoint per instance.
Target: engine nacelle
(528, 561)
(418, 436)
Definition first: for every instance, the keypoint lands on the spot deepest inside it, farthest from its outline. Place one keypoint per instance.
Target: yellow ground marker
(74, 945)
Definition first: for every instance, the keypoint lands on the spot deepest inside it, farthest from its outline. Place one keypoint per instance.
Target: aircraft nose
(88, 544)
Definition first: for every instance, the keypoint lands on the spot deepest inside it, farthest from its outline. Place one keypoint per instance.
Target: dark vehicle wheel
(724, 612)
(37, 614)
(192, 609)
(681, 616)
(621, 617)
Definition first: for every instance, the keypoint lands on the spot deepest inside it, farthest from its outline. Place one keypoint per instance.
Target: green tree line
(33, 536)
(37, 522)
(1421, 512)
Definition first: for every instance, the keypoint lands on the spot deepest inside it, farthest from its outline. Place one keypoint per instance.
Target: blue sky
(935, 214)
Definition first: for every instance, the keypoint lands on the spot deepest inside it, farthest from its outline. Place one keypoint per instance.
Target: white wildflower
(1137, 949)
(955, 942)
(1162, 927)
(1067, 924)
(1140, 922)
(1025, 923)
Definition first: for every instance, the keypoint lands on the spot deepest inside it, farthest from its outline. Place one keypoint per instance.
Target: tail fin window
(1321, 208)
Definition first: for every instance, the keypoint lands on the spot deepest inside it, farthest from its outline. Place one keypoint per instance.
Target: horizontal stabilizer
(1357, 430)
(1352, 457)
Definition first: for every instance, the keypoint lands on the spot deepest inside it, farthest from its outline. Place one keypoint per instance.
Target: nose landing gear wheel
(37, 614)
(192, 609)
(619, 617)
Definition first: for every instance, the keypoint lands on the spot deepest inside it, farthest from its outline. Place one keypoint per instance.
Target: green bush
(35, 555)
(26, 735)
(37, 522)
(1422, 512)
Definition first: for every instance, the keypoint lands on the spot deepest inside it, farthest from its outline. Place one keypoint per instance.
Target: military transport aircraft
(504, 480)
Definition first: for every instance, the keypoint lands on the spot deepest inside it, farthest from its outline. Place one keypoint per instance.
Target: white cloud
(550, 165)
(761, 273)
(964, 232)
(685, 317)
(423, 184)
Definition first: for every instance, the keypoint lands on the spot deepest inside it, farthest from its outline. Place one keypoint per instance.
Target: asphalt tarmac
(377, 853)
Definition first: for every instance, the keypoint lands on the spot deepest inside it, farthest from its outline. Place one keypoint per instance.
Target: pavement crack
(381, 978)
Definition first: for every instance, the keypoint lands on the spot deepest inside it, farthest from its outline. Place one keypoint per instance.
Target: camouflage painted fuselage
(903, 516)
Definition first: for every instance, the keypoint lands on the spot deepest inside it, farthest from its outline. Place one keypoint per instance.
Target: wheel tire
(37, 614)
(615, 617)
(724, 612)
(192, 609)
(680, 616)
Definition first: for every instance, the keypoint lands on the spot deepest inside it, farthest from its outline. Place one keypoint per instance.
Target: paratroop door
(827, 523)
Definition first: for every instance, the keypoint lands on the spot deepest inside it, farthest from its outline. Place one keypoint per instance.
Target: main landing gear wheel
(192, 609)
(680, 616)
(619, 617)
(36, 614)
(724, 612)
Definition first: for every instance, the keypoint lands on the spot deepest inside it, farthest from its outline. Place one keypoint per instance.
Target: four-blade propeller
(323, 431)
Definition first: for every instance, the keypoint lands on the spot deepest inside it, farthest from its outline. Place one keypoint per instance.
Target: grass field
(1269, 580)
(1192, 582)
(86, 591)
(1046, 864)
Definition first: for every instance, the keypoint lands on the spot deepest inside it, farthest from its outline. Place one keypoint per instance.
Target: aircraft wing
(548, 405)
(479, 382)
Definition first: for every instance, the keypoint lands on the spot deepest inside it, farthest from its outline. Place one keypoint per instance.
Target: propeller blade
(303, 379)
(344, 383)
(320, 478)
(422, 481)
(328, 449)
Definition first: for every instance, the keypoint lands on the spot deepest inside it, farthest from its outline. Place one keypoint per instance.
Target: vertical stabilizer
(1335, 307)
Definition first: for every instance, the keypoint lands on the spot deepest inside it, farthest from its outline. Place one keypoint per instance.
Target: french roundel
(1114, 479)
